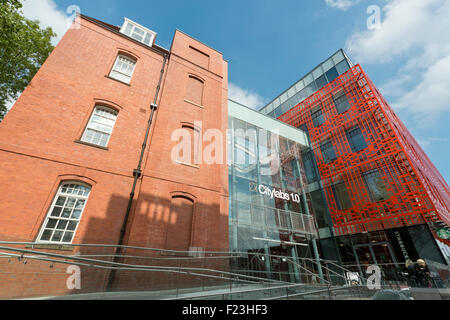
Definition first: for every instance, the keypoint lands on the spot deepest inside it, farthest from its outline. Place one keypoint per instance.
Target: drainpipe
(137, 173)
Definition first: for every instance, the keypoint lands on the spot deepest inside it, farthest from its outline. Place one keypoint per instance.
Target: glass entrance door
(379, 253)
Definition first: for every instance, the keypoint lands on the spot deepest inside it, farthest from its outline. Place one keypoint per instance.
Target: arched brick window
(179, 227)
(65, 213)
(194, 91)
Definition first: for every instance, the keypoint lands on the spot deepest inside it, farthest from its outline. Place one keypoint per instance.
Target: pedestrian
(423, 274)
(412, 273)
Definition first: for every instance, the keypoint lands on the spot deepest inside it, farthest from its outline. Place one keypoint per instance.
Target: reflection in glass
(342, 197)
(376, 186)
(356, 139)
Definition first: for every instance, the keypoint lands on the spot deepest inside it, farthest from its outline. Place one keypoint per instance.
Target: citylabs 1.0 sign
(274, 193)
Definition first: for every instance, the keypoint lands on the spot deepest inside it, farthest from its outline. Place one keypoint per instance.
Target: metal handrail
(234, 254)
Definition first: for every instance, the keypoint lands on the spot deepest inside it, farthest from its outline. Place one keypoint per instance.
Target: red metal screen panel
(389, 182)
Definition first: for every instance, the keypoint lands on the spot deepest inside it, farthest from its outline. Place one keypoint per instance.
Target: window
(341, 102)
(123, 69)
(309, 167)
(342, 67)
(356, 139)
(317, 117)
(321, 81)
(376, 186)
(341, 195)
(332, 74)
(65, 213)
(328, 151)
(138, 32)
(100, 126)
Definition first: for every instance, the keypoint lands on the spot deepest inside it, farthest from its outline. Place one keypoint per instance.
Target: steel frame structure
(417, 193)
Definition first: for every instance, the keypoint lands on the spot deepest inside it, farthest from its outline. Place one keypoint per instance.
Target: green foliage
(24, 47)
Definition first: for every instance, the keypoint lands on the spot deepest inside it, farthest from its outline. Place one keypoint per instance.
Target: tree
(24, 47)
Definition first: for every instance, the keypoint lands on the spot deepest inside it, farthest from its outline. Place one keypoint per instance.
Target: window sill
(50, 246)
(193, 103)
(187, 164)
(91, 145)
(122, 82)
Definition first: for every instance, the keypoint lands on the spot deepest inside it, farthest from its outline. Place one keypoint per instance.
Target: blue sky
(270, 44)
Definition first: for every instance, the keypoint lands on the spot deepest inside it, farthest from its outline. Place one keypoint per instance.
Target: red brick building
(71, 146)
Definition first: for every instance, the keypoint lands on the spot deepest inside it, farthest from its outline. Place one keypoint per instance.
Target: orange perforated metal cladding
(415, 191)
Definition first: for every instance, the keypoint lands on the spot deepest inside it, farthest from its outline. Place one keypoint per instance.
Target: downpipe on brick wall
(137, 173)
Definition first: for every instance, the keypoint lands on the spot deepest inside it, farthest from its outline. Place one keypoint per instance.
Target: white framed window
(138, 32)
(123, 69)
(65, 213)
(100, 126)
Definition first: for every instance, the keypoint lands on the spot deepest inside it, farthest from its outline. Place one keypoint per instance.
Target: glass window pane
(57, 236)
(76, 214)
(342, 196)
(342, 103)
(317, 72)
(342, 67)
(327, 65)
(356, 139)
(136, 36)
(60, 201)
(332, 74)
(56, 211)
(328, 151)
(128, 29)
(72, 225)
(51, 223)
(62, 224)
(317, 118)
(338, 57)
(376, 186)
(68, 237)
(46, 235)
(66, 213)
(147, 39)
(321, 81)
(70, 203)
(308, 79)
(300, 85)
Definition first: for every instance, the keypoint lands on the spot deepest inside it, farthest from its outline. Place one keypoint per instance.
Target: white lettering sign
(273, 193)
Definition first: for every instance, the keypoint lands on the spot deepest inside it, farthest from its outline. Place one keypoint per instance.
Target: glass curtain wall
(271, 214)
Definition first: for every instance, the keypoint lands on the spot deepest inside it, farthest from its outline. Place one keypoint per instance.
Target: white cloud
(406, 25)
(426, 142)
(48, 14)
(432, 95)
(414, 34)
(245, 97)
(341, 4)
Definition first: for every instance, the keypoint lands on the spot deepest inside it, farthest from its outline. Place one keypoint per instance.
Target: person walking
(423, 274)
(412, 273)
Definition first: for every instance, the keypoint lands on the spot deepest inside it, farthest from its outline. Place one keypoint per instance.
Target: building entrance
(379, 253)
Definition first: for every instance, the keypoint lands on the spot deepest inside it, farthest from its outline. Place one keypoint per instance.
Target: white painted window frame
(58, 194)
(116, 71)
(148, 34)
(91, 124)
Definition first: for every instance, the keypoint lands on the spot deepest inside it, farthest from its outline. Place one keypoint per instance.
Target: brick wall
(39, 150)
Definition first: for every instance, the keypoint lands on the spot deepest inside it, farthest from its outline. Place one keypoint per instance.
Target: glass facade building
(370, 170)
(324, 73)
(273, 214)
